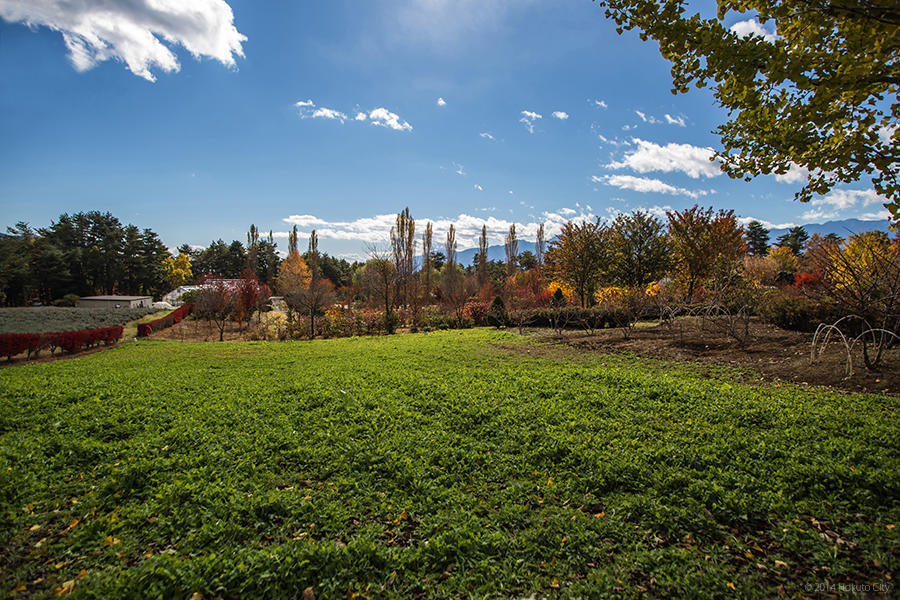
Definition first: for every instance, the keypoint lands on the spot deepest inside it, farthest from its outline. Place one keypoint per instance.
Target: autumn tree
(312, 300)
(577, 257)
(639, 249)
(862, 275)
(216, 303)
(701, 241)
(178, 270)
(377, 278)
(819, 93)
(253, 249)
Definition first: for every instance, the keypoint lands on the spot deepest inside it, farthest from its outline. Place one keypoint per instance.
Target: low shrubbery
(571, 317)
(51, 319)
(797, 312)
(13, 344)
(145, 329)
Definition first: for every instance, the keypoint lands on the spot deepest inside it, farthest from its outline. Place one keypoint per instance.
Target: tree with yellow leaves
(178, 270)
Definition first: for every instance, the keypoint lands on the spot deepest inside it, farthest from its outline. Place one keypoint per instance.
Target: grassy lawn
(452, 464)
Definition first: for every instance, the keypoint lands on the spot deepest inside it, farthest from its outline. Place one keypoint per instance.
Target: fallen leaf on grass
(309, 594)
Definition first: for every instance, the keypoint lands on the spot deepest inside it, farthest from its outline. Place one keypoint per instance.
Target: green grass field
(463, 464)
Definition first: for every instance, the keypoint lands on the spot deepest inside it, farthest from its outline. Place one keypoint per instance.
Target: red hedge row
(12, 344)
(145, 329)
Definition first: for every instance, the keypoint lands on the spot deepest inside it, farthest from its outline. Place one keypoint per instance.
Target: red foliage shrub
(12, 344)
(807, 279)
(176, 316)
(477, 311)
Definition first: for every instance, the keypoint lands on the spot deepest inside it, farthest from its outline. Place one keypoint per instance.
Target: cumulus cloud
(376, 229)
(840, 203)
(379, 116)
(562, 116)
(752, 27)
(744, 221)
(693, 161)
(441, 102)
(140, 33)
(675, 120)
(794, 174)
(327, 113)
(645, 184)
(486, 135)
(385, 118)
(528, 119)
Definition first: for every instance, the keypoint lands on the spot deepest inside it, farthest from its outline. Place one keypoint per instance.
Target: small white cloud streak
(479, 188)
(486, 135)
(693, 161)
(134, 31)
(562, 116)
(675, 120)
(744, 221)
(645, 185)
(528, 119)
(441, 102)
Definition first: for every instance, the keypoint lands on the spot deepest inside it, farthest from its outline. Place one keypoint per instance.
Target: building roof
(120, 298)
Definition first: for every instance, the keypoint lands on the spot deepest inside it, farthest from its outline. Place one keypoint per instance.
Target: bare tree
(403, 245)
(426, 262)
(539, 247)
(483, 257)
(312, 300)
(216, 303)
(312, 255)
(378, 278)
(511, 245)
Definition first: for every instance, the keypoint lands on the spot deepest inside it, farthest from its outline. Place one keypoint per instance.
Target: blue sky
(199, 118)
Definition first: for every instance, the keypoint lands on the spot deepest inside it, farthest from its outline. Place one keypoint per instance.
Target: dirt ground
(775, 354)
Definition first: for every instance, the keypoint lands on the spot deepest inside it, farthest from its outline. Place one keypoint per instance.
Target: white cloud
(651, 119)
(441, 102)
(675, 120)
(767, 224)
(360, 116)
(628, 127)
(794, 174)
(486, 135)
(305, 104)
(694, 161)
(886, 134)
(385, 118)
(880, 215)
(645, 184)
(752, 27)
(600, 104)
(374, 230)
(459, 169)
(479, 188)
(844, 199)
(528, 119)
(562, 116)
(819, 215)
(134, 31)
(327, 113)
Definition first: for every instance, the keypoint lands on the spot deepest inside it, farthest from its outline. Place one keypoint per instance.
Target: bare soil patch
(774, 353)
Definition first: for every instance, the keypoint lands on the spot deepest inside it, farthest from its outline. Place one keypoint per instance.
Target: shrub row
(798, 313)
(12, 344)
(176, 316)
(571, 318)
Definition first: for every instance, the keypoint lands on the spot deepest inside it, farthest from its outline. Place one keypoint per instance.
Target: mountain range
(842, 228)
